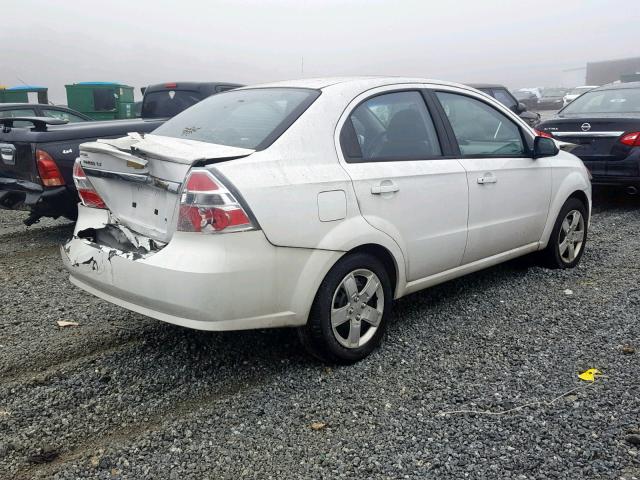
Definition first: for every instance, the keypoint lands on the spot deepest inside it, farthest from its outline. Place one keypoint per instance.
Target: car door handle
(386, 186)
(487, 178)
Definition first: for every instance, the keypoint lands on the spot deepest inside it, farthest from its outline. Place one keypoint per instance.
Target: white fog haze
(137, 43)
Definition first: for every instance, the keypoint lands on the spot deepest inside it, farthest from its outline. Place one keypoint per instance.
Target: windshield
(251, 118)
(168, 103)
(624, 100)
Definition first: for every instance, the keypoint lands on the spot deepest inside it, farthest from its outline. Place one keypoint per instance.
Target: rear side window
(168, 103)
(479, 128)
(392, 126)
(251, 118)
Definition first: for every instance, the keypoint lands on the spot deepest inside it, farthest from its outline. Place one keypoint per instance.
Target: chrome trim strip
(585, 134)
(149, 180)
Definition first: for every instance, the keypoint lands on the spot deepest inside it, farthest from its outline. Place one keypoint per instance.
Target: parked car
(505, 97)
(551, 98)
(166, 100)
(575, 93)
(604, 124)
(529, 99)
(315, 203)
(37, 162)
(12, 110)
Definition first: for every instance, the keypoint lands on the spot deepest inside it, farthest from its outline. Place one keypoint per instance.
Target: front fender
(564, 185)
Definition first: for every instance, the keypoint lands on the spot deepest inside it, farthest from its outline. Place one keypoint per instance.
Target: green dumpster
(20, 94)
(101, 100)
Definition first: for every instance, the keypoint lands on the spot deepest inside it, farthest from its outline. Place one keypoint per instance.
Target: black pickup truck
(36, 161)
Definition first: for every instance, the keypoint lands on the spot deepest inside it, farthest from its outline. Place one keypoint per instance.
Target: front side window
(479, 128)
(392, 126)
(251, 118)
(63, 115)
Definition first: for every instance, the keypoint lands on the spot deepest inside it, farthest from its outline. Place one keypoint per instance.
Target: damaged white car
(315, 203)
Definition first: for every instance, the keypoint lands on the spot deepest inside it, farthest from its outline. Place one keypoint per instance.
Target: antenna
(21, 81)
(302, 65)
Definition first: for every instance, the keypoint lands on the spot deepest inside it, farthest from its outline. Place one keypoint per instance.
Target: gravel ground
(124, 396)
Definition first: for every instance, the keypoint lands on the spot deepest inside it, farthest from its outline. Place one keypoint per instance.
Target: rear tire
(568, 237)
(350, 311)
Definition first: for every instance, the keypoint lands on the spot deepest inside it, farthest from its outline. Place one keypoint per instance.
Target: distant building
(601, 73)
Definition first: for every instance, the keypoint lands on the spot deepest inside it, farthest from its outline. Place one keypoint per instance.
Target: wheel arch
(385, 256)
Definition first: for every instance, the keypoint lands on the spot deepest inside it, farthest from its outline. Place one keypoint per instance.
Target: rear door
(406, 182)
(509, 192)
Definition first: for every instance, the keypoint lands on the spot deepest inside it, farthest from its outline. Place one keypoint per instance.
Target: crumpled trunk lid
(140, 178)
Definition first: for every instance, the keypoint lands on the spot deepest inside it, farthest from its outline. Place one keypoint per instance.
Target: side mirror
(521, 107)
(544, 147)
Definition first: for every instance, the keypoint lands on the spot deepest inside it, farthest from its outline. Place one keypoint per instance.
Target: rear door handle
(487, 178)
(385, 186)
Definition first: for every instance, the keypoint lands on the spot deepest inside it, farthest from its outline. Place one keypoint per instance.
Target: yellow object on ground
(589, 375)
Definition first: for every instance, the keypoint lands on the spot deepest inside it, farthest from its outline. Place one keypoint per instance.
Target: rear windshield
(168, 103)
(624, 100)
(252, 118)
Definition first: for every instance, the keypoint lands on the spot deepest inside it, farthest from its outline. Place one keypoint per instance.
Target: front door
(509, 192)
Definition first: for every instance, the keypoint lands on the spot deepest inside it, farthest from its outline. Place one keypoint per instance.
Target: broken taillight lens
(88, 195)
(207, 206)
(48, 170)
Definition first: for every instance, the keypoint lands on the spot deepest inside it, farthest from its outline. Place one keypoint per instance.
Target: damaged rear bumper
(42, 202)
(225, 282)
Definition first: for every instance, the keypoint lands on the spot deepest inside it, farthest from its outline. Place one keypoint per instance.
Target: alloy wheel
(357, 308)
(571, 236)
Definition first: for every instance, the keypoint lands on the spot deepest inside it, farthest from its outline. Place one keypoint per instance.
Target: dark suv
(165, 100)
(505, 97)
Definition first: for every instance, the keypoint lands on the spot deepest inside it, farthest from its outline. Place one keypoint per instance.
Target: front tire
(568, 237)
(350, 311)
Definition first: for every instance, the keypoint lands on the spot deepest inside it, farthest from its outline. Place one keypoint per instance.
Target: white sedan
(316, 203)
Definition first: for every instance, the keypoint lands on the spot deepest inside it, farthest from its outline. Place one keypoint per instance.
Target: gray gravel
(123, 396)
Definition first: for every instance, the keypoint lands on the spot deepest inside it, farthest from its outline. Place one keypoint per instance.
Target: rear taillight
(207, 206)
(88, 195)
(540, 133)
(48, 170)
(631, 139)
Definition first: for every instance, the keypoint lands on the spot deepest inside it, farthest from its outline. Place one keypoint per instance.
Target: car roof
(362, 82)
(190, 85)
(618, 86)
(485, 85)
(18, 105)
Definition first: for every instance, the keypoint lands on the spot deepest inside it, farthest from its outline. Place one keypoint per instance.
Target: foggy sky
(517, 43)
